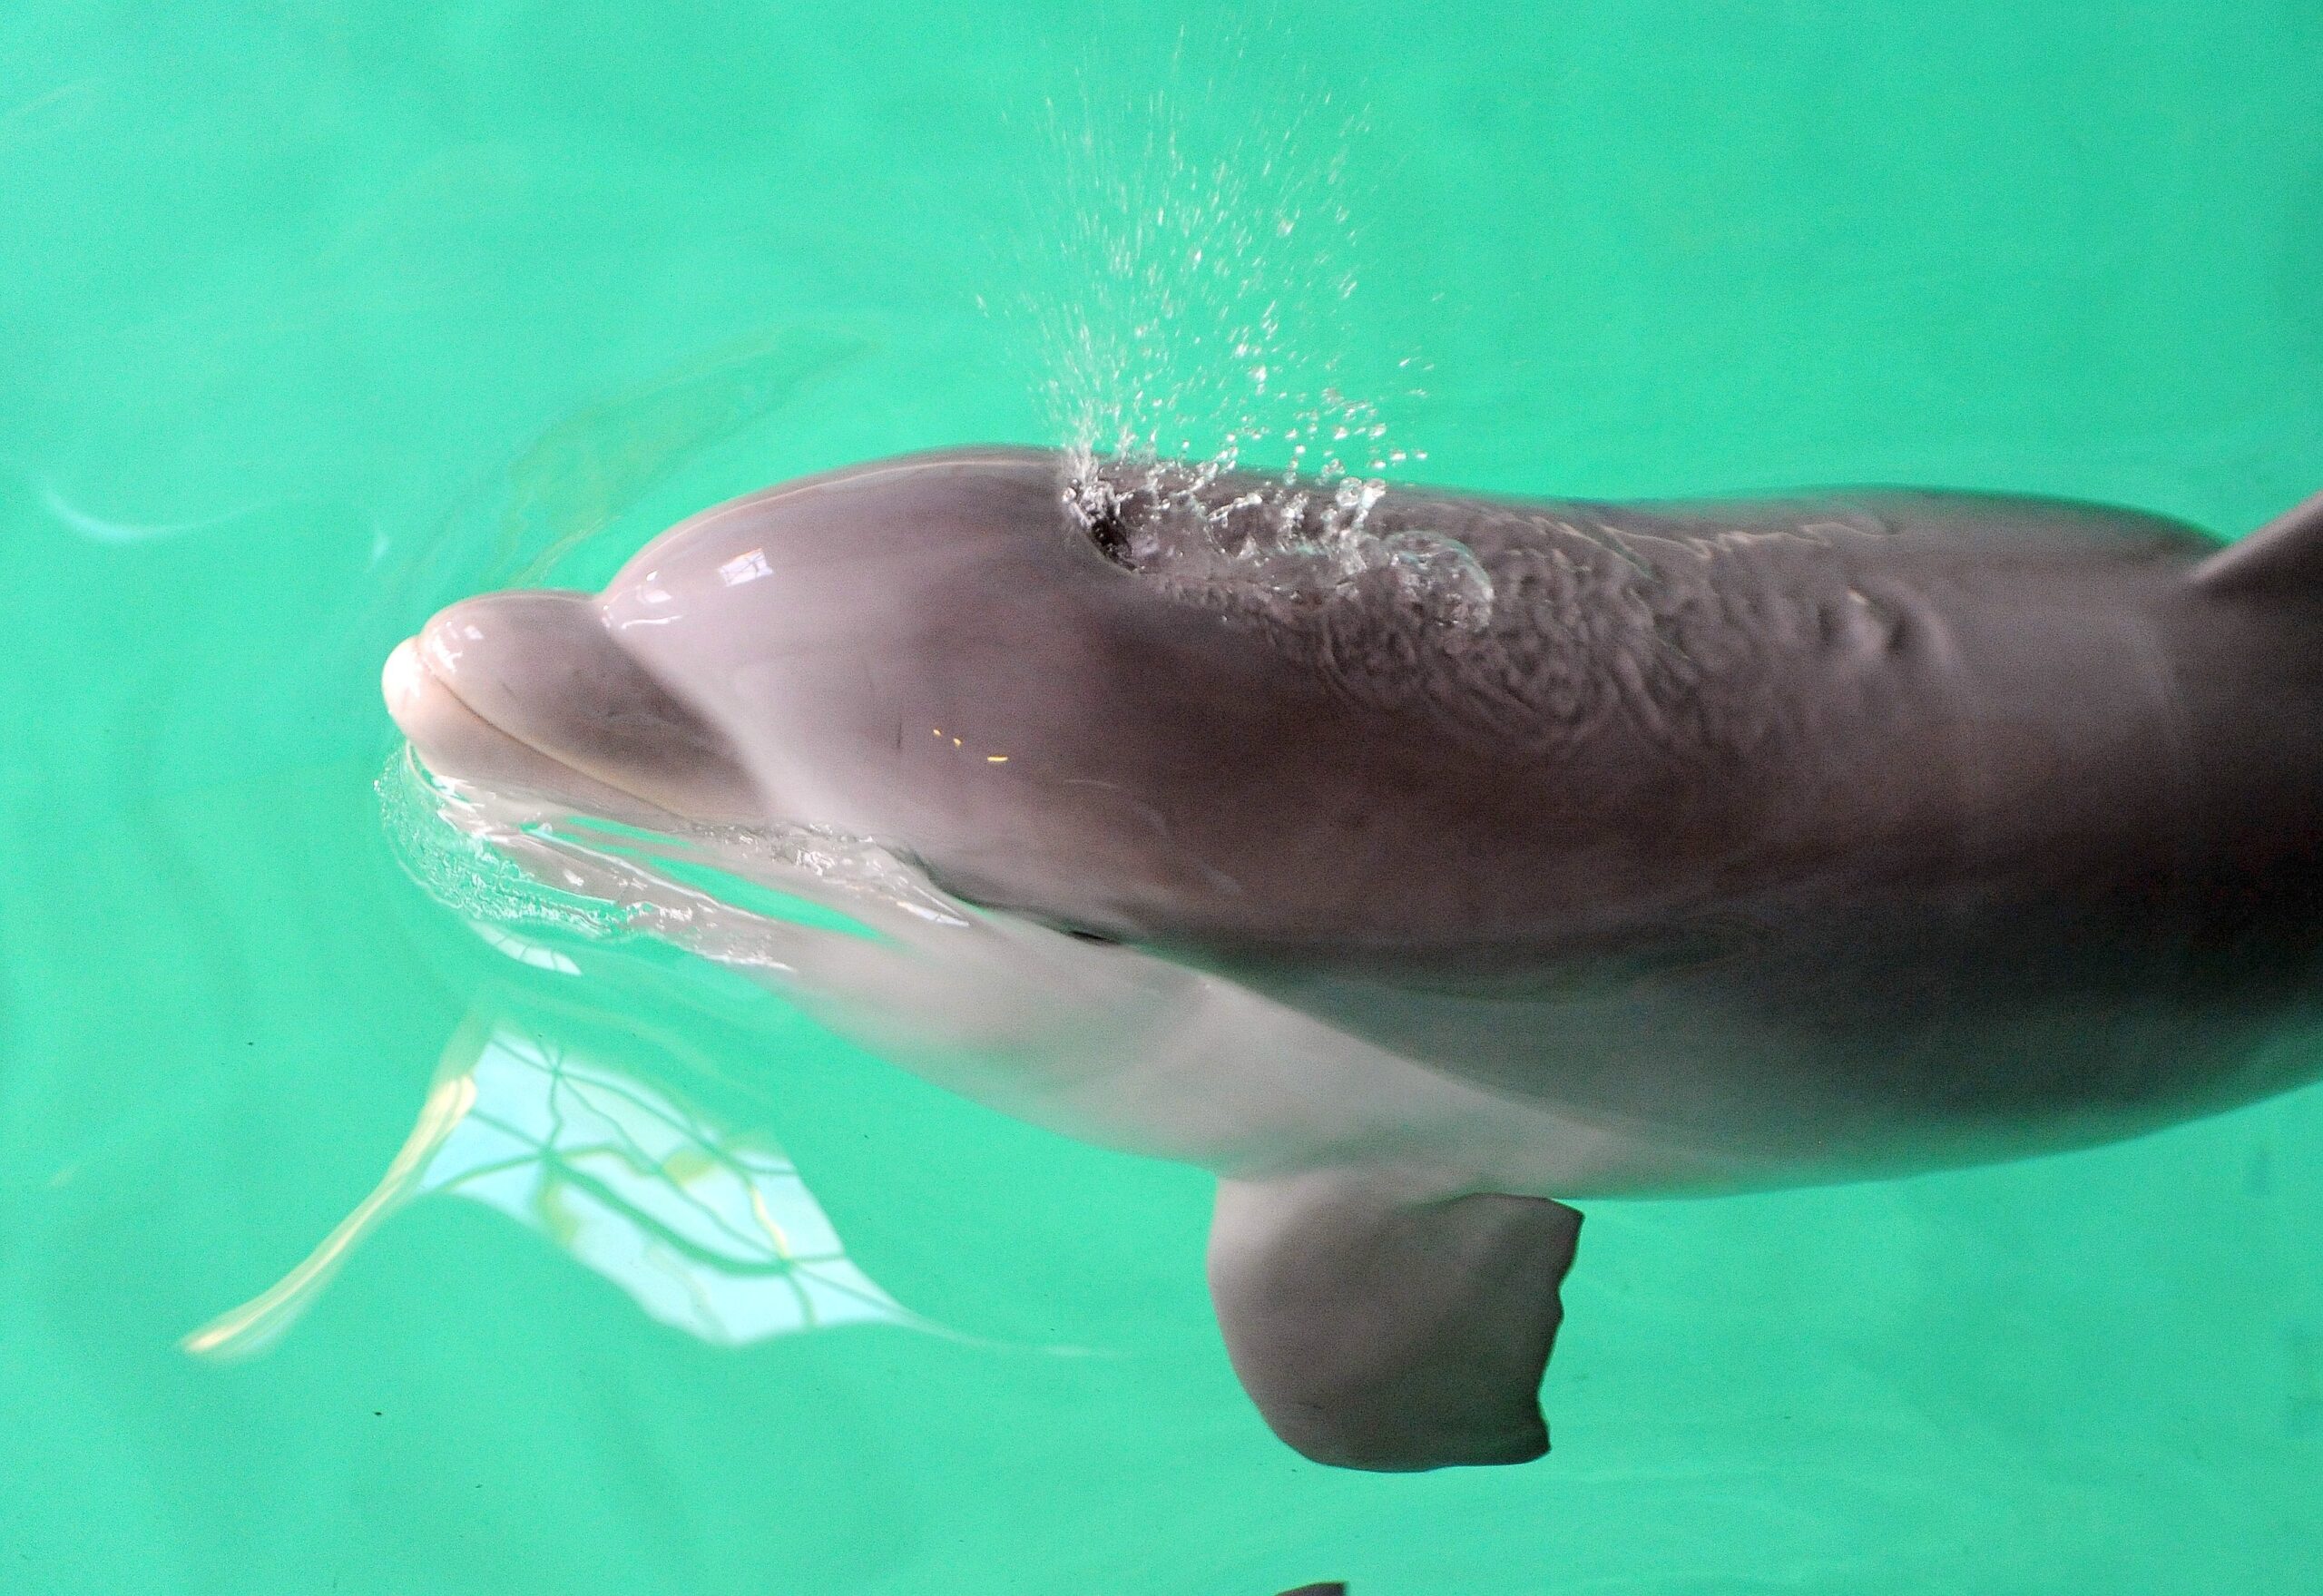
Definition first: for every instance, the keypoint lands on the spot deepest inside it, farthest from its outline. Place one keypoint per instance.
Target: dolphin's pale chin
(525, 694)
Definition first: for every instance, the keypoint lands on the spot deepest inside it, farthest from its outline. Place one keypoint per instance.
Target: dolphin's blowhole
(1105, 529)
(1285, 542)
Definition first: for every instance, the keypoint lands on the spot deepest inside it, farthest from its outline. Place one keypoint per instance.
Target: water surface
(313, 318)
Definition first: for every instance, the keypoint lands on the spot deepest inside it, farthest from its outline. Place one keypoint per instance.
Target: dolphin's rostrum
(1412, 860)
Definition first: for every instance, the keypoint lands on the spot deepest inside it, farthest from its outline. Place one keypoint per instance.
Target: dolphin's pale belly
(1679, 1098)
(1654, 1090)
(1225, 1078)
(1613, 1080)
(1802, 1062)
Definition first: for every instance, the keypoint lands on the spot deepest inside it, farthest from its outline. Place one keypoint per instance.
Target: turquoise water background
(315, 316)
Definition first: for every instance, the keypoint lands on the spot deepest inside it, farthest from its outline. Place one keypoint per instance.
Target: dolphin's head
(951, 655)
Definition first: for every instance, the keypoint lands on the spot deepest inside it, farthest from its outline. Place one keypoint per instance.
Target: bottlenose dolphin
(1413, 860)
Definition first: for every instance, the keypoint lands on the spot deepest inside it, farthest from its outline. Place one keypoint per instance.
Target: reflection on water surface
(709, 1230)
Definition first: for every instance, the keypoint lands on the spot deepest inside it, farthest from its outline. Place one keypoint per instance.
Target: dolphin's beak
(526, 692)
(453, 741)
(447, 734)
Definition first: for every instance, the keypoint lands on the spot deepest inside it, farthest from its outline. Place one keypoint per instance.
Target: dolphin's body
(1412, 860)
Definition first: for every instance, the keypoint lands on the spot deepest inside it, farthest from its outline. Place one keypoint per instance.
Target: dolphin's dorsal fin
(2286, 555)
(1374, 1332)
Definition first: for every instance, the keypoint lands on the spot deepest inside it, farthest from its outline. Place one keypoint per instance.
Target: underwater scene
(570, 1116)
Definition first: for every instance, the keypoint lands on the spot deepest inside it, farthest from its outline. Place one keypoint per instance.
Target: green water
(313, 316)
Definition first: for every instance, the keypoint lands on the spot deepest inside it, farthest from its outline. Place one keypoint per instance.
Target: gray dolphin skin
(1413, 860)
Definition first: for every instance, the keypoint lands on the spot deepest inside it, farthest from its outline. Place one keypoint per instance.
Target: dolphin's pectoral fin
(1377, 1333)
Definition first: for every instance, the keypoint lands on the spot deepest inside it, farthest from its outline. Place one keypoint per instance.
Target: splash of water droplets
(1214, 256)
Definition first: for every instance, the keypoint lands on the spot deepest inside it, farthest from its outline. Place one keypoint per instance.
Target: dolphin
(1416, 861)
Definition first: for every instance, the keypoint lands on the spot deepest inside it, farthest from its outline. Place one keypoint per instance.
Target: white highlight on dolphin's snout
(402, 681)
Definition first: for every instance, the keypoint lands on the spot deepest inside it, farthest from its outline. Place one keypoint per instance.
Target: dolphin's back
(1937, 827)
(1702, 625)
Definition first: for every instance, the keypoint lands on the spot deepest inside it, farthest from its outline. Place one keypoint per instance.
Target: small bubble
(1442, 575)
